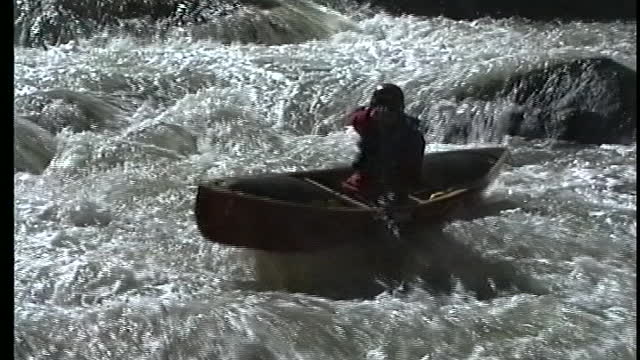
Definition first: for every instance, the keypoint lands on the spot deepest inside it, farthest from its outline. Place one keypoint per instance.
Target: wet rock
(34, 147)
(58, 109)
(588, 101)
(538, 10)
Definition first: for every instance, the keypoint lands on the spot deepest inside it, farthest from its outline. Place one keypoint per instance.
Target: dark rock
(589, 101)
(536, 10)
(34, 147)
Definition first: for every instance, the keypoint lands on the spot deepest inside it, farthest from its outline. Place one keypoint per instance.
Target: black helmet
(388, 95)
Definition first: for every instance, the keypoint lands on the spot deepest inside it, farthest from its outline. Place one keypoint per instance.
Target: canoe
(304, 211)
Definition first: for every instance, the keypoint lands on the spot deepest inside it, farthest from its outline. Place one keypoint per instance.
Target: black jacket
(391, 151)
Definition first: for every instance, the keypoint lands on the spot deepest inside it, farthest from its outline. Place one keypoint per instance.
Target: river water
(109, 263)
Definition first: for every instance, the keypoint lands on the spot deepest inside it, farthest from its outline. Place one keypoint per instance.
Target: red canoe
(299, 211)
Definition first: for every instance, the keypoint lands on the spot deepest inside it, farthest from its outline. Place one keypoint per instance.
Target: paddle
(338, 195)
(390, 225)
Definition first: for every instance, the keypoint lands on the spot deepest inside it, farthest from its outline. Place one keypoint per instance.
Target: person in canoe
(391, 149)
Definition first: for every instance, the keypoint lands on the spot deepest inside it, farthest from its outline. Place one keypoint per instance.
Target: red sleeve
(359, 119)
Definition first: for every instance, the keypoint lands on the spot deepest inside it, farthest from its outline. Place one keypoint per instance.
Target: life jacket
(391, 151)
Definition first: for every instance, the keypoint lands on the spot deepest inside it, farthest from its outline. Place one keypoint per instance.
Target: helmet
(388, 95)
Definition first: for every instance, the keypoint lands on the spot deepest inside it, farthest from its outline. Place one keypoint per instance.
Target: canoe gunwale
(330, 208)
(477, 184)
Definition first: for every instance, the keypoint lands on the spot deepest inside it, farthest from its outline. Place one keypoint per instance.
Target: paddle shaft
(337, 194)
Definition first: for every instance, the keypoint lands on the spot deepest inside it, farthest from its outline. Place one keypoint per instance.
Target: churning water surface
(109, 263)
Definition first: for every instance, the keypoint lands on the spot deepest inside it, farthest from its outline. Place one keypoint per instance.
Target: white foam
(105, 238)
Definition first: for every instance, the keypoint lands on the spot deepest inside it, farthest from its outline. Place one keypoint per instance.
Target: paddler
(391, 149)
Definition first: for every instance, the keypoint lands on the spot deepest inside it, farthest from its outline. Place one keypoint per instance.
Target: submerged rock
(34, 147)
(58, 109)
